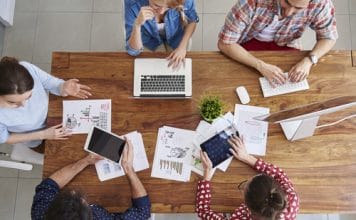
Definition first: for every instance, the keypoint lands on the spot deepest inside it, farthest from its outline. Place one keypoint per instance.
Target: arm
(141, 204)
(203, 197)
(301, 70)
(49, 82)
(237, 22)
(56, 132)
(203, 202)
(137, 188)
(63, 176)
(133, 26)
(188, 32)
(176, 58)
(324, 24)
(135, 40)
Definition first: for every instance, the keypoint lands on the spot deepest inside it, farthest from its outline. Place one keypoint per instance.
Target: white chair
(23, 158)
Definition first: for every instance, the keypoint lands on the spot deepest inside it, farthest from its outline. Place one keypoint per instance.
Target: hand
(57, 132)
(127, 157)
(73, 88)
(273, 74)
(93, 158)
(238, 149)
(207, 165)
(300, 71)
(146, 13)
(177, 58)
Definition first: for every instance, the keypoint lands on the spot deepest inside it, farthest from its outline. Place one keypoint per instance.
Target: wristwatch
(313, 59)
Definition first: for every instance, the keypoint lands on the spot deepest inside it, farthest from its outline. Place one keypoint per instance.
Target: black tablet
(217, 147)
(105, 144)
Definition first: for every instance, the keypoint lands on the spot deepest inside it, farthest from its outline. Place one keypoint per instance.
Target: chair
(23, 158)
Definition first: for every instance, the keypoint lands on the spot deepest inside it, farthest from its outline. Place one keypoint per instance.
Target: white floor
(43, 26)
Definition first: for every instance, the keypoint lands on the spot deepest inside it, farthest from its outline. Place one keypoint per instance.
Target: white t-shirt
(267, 34)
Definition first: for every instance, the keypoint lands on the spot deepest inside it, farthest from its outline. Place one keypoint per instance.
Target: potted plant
(211, 107)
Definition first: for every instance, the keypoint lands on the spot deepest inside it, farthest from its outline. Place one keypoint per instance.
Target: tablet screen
(217, 147)
(106, 144)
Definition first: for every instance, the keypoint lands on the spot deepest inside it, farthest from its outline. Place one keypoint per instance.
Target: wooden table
(322, 167)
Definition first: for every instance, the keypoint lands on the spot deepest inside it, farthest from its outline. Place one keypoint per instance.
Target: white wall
(7, 8)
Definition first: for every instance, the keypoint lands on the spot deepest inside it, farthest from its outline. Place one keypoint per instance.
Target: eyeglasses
(242, 185)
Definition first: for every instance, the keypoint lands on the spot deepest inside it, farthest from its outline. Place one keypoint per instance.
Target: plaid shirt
(249, 17)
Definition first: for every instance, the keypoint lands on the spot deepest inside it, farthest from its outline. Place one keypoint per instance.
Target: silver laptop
(153, 78)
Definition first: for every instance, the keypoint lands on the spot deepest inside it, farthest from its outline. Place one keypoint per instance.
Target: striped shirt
(247, 18)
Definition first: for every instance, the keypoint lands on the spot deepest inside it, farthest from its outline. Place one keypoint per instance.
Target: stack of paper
(172, 154)
(108, 170)
(205, 131)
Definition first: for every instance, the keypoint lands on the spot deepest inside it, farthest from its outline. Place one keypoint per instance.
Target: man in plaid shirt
(277, 25)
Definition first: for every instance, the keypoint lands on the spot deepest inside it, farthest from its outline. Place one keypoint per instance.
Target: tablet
(217, 147)
(105, 144)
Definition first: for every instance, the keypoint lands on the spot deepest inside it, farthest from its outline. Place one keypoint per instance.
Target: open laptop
(153, 78)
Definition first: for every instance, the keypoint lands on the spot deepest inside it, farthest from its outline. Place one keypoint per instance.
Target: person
(51, 202)
(277, 25)
(268, 195)
(151, 23)
(24, 103)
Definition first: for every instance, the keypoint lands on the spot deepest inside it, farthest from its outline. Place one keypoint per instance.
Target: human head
(69, 205)
(16, 83)
(161, 6)
(264, 197)
(291, 7)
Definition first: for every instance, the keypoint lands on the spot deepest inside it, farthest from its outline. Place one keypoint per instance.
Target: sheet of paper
(204, 131)
(80, 115)
(254, 132)
(173, 153)
(108, 169)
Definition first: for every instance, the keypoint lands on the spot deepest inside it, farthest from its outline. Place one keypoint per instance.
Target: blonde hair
(179, 6)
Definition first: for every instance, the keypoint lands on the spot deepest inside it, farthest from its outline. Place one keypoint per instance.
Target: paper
(172, 154)
(107, 169)
(80, 115)
(204, 131)
(254, 132)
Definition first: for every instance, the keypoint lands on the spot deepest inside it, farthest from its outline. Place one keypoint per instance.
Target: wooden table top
(322, 167)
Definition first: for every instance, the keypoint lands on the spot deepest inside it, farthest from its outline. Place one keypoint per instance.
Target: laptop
(153, 78)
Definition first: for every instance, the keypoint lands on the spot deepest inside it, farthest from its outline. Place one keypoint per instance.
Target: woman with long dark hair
(24, 96)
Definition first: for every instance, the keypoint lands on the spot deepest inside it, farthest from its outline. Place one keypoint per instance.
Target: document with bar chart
(173, 153)
(80, 115)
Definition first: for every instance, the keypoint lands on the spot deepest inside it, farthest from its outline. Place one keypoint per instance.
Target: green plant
(211, 107)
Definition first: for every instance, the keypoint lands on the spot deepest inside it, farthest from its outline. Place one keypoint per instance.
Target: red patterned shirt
(203, 199)
(247, 18)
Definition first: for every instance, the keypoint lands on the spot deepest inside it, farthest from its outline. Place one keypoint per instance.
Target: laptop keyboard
(162, 83)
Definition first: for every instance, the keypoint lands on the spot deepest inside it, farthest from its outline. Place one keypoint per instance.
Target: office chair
(23, 158)
(128, 3)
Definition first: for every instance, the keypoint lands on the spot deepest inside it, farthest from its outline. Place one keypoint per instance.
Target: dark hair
(68, 205)
(14, 78)
(264, 197)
